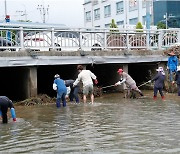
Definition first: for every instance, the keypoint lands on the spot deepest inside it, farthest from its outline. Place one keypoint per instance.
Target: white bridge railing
(15, 38)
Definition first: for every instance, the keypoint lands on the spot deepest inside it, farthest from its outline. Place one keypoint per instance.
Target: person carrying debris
(73, 90)
(127, 79)
(60, 87)
(172, 65)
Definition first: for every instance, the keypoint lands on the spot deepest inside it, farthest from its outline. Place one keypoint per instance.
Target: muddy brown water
(111, 125)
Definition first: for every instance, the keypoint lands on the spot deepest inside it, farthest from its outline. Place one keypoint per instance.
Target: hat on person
(79, 67)
(57, 76)
(160, 69)
(171, 53)
(178, 68)
(120, 70)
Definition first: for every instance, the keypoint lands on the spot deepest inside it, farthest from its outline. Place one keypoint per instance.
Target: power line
(43, 11)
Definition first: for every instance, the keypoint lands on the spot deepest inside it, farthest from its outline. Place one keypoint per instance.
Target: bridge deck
(35, 58)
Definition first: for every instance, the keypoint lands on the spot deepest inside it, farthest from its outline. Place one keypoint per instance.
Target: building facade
(167, 11)
(126, 13)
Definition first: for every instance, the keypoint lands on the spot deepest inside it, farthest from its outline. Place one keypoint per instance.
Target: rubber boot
(155, 97)
(64, 103)
(77, 100)
(163, 98)
(58, 105)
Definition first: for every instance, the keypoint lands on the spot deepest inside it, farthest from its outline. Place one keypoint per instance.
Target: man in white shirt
(86, 76)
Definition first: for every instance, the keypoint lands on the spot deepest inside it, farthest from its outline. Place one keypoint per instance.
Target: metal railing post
(105, 39)
(147, 38)
(52, 39)
(80, 39)
(160, 39)
(21, 38)
(127, 41)
(178, 36)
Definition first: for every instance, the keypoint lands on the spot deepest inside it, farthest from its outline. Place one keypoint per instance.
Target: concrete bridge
(27, 72)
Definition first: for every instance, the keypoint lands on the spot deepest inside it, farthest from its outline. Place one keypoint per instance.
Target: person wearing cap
(6, 103)
(60, 87)
(128, 80)
(86, 77)
(159, 83)
(73, 90)
(177, 79)
(172, 65)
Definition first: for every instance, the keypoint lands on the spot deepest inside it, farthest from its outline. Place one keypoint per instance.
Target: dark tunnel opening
(45, 77)
(142, 73)
(13, 81)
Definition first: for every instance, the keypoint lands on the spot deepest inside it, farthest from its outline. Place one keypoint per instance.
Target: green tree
(139, 26)
(113, 25)
(161, 25)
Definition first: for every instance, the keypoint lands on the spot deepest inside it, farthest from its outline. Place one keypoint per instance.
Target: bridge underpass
(16, 81)
(13, 81)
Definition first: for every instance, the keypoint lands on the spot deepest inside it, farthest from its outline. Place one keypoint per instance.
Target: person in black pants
(177, 79)
(159, 83)
(74, 90)
(6, 103)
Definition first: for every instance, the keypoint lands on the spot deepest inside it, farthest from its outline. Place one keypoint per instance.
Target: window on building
(107, 11)
(119, 7)
(87, 1)
(107, 25)
(133, 21)
(143, 3)
(144, 20)
(95, 2)
(120, 22)
(133, 5)
(97, 14)
(88, 16)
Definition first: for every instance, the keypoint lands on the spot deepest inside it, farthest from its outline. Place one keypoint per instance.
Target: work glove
(96, 81)
(118, 83)
(149, 81)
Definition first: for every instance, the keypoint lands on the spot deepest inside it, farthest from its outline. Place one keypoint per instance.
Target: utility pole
(5, 8)
(166, 18)
(43, 11)
(23, 13)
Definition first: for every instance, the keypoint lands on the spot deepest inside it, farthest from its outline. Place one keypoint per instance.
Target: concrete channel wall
(26, 74)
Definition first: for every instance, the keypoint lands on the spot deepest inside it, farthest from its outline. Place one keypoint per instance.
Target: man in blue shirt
(172, 65)
(60, 87)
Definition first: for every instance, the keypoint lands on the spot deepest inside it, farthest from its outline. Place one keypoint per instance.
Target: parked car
(6, 45)
(63, 41)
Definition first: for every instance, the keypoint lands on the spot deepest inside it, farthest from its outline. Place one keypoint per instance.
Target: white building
(126, 13)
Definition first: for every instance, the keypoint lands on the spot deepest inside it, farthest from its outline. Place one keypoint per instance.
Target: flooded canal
(111, 125)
